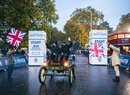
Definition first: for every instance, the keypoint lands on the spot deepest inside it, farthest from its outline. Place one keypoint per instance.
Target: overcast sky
(112, 9)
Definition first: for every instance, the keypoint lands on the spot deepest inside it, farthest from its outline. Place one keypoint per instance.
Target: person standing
(115, 61)
(65, 48)
(10, 63)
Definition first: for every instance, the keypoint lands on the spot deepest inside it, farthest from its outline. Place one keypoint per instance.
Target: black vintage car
(58, 64)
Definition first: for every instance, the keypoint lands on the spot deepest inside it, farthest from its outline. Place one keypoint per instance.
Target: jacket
(115, 55)
(9, 57)
(66, 48)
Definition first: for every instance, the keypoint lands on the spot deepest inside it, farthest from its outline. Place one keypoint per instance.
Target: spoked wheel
(73, 70)
(70, 76)
(42, 76)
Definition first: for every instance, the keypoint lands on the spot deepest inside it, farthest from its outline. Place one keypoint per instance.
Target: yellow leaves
(81, 27)
(79, 24)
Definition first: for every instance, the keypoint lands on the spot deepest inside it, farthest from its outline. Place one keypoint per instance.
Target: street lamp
(90, 20)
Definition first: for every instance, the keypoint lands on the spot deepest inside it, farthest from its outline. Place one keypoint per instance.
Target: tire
(42, 76)
(70, 76)
(73, 70)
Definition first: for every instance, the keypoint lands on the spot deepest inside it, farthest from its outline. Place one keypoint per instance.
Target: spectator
(10, 63)
(115, 61)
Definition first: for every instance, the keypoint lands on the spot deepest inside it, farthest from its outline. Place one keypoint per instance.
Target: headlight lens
(66, 64)
(45, 64)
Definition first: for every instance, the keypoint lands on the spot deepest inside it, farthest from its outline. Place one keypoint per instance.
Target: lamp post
(90, 20)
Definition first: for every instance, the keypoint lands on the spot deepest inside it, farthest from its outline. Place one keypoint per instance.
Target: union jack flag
(96, 50)
(15, 37)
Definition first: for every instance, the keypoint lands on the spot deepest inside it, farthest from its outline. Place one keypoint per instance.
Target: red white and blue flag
(96, 50)
(15, 37)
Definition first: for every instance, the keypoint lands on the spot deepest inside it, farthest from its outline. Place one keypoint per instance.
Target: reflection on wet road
(90, 80)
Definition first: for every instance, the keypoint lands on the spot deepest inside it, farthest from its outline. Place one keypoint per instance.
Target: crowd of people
(19, 51)
(56, 52)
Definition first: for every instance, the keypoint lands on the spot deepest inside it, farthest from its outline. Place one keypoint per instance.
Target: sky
(112, 10)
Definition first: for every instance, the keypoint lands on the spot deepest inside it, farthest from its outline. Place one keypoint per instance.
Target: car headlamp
(66, 64)
(45, 64)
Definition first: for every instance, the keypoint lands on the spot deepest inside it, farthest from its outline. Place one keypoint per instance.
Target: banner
(98, 47)
(19, 60)
(37, 47)
(125, 61)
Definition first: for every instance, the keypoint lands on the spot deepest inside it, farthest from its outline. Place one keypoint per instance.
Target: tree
(124, 24)
(57, 36)
(105, 25)
(27, 15)
(78, 26)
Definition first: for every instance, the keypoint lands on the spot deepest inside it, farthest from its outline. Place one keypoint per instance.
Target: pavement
(90, 80)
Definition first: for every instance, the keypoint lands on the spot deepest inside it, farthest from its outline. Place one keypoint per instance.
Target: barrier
(19, 60)
(3, 63)
(124, 61)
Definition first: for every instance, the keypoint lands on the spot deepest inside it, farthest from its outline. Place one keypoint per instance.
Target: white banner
(37, 47)
(94, 34)
(98, 47)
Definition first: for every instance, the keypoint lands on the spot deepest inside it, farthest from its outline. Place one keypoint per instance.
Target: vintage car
(58, 66)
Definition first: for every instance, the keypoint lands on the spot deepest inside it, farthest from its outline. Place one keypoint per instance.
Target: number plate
(56, 68)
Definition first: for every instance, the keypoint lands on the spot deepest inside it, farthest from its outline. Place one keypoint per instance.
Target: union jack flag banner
(96, 50)
(15, 37)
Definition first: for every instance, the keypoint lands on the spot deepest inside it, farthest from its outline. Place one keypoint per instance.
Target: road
(90, 80)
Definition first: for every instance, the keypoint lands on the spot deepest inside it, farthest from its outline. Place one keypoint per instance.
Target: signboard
(98, 47)
(37, 47)
(19, 60)
(125, 61)
(97, 34)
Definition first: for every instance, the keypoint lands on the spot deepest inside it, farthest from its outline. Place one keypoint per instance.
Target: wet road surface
(90, 80)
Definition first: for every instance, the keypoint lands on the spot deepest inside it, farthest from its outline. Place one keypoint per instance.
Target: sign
(19, 60)
(125, 61)
(98, 34)
(37, 47)
(98, 47)
(125, 40)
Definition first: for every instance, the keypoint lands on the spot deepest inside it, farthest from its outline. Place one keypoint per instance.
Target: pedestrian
(10, 63)
(115, 61)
